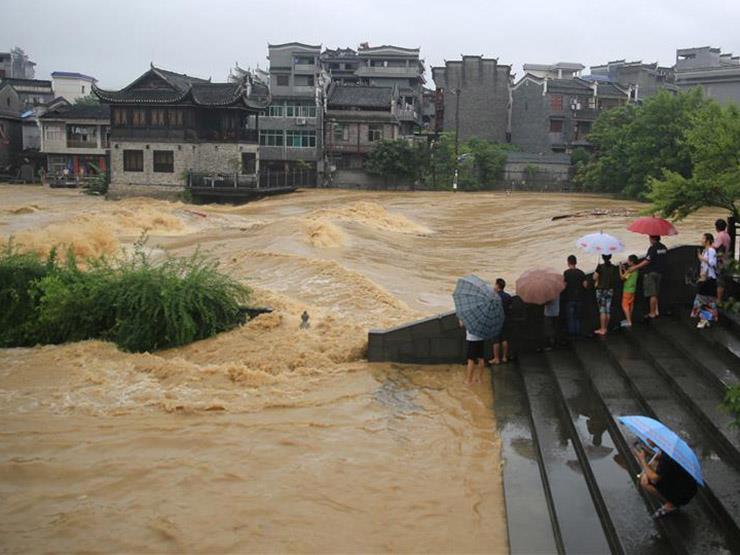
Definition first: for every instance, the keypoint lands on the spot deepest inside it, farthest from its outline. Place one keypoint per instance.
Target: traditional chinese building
(168, 129)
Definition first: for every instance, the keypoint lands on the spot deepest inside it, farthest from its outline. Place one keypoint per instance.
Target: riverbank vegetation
(139, 304)
(480, 163)
(680, 152)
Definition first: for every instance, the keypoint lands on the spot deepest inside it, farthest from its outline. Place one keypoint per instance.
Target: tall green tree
(636, 143)
(713, 141)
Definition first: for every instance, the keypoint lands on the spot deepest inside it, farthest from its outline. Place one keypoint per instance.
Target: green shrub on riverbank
(139, 304)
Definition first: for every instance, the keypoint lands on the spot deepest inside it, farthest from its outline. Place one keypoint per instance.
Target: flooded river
(271, 438)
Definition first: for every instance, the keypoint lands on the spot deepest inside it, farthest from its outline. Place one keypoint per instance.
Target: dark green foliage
(732, 403)
(714, 143)
(139, 304)
(580, 156)
(97, 184)
(18, 274)
(633, 144)
(89, 100)
(395, 159)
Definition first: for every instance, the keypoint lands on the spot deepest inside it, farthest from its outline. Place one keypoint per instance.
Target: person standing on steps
(722, 246)
(666, 480)
(705, 302)
(501, 343)
(606, 278)
(575, 290)
(654, 262)
(629, 287)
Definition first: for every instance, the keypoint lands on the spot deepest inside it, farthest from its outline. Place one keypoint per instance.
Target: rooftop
(71, 75)
(360, 96)
(79, 111)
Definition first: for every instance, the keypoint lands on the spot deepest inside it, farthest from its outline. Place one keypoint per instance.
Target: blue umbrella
(667, 440)
(479, 307)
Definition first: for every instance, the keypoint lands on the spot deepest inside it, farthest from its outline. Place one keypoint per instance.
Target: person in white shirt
(705, 302)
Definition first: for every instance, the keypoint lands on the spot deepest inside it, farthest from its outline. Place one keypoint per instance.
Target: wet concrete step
(576, 516)
(721, 339)
(689, 381)
(630, 525)
(722, 490)
(687, 342)
(527, 511)
(694, 529)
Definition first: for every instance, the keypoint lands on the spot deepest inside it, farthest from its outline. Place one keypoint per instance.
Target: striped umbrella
(478, 306)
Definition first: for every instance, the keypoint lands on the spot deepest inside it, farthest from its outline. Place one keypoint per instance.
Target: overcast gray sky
(114, 40)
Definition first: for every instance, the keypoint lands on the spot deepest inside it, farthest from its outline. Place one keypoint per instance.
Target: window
(120, 116)
(133, 160)
(299, 110)
(174, 117)
(282, 80)
(300, 139)
(249, 163)
(341, 133)
(304, 60)
(157, 117)
(556, 126)
(54, 133)
(82, 136)
(556, 103)
(271, 137)
(303, 80)
(138, 118)
(276, 111)
(375, 132)
(164, 161)
(412, 82)
(83, 89)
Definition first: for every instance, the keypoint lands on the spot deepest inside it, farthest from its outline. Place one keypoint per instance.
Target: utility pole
(457, 137)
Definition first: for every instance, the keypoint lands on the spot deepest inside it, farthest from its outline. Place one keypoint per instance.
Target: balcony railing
(185, 134)
(304, 68)
(75, 143)
(407, 114)
(198, 180)
(380, 71)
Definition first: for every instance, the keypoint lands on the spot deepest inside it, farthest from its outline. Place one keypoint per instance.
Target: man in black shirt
(575, 287)
(655, 262)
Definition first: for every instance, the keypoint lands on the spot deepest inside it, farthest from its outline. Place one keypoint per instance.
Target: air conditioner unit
(300, 121)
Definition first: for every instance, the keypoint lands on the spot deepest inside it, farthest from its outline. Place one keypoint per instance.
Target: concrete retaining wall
(441, 340)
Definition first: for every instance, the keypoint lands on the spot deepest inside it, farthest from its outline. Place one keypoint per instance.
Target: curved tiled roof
(174, 88)
(360, 97)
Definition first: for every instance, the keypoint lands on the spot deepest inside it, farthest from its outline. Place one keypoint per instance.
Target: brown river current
(270, 438)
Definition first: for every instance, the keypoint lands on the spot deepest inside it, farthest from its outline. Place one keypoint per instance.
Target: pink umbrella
(539, 285)
(650, 225)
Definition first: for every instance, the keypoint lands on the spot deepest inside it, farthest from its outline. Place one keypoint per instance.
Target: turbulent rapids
(271, 437)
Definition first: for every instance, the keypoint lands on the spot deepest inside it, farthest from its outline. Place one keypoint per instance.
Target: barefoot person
(654, 264)
(476, 359)
(606, 278)
(666, 480)
(501, 343)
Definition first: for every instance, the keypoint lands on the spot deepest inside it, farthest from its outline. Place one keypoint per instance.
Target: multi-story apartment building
(556, 115)
(76, 139)
(291, 143)
(717, 73)
(394, 66)
(168, 128)
(72, 85)
(474, 97)
(341, 65)
(357, 116)
(643, 80)
(560, 70)
(16, 64)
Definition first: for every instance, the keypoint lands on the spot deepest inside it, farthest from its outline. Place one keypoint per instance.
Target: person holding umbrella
(480, 311)
(673, 472)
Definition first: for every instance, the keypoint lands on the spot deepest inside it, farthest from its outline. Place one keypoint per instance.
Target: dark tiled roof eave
(359, 96)
(79, 111)
(360, 116)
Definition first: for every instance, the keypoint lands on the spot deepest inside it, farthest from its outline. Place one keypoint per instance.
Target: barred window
(158, 117)
(174, 117)
(133, 160)
(556, 102)
(164, 161)
(138, 118)
(375, 132)
(300, 139)
(120, 116)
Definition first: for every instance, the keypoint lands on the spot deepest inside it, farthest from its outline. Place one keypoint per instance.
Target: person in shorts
(722, 247)
(501, 343)
(654, 265)
(629, 286)
(475, 356)
(606, 278)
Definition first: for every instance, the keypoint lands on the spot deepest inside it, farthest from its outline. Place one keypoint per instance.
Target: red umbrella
(650, 225)
(539, 286)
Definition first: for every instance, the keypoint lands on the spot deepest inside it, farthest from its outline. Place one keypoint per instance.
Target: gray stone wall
(202, 157)
(530, 124)
(484, 97)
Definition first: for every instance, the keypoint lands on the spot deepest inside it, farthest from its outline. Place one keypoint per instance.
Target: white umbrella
(600, 243)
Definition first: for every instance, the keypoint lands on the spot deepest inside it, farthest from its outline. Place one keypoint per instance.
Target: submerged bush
(139, 304)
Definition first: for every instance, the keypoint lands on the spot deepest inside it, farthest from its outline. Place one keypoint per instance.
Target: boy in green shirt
(629, 275)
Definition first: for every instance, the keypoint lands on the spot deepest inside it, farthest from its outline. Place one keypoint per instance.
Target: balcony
(407, 114)
(76, 143)
(304, 68)
(184, 134)
(399, 72)
(236, 136)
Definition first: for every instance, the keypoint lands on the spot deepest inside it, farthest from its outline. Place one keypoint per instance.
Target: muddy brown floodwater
(271, 438)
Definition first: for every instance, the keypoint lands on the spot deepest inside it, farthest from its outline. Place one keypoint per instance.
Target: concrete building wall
(71, 88)
(9, 149)
(530, 123)
(483, 99)
(31, 136)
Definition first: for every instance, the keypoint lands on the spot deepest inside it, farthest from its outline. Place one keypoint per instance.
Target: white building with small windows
(170, 130)
(71, 85)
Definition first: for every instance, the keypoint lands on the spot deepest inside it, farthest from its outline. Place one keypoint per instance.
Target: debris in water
(614, 212)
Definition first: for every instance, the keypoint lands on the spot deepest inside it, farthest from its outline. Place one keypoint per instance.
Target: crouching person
(666, 480)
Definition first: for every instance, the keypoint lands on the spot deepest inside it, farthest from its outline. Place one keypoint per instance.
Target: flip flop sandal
(660, 513)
